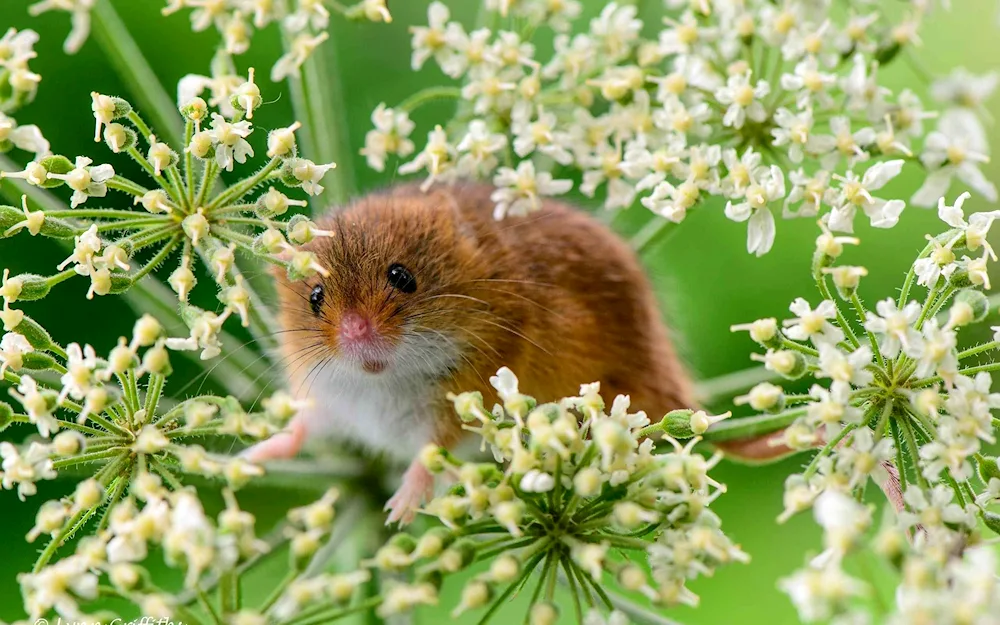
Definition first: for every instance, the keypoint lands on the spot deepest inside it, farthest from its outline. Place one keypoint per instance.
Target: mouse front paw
(417, 487)
(281, 446)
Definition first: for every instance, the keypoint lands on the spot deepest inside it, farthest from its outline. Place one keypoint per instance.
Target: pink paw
(281, 446)
(417, 487)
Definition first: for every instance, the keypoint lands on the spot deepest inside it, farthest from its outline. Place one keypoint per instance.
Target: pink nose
(354, 327)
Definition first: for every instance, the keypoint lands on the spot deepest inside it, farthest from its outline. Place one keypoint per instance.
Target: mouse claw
(417, 486)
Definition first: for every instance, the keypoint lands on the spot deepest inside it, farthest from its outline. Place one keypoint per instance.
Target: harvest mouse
(429, 294)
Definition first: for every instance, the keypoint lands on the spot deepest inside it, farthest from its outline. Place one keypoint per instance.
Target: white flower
(795, 131)
(24, 470)
(308, 13)
(855, 193)
(743, 100)
(521, 191)
(390, 136)
(86, 181)
(85, 248)
(955, 150)
(437, 157)
(819, 593)
(897, 328)
(478, 150)
(309, 174)
(539, 134)
(430, 40)
(812, 324)
(301, 49)
(932, 509)
(13, 347)
(962, 88)
(230, 140)
(204, 335)
(79, 14)
(976, 228)
(845, 368)
(27, 138)
(765, 187)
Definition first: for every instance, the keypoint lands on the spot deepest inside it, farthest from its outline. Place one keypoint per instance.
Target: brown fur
(554, 295)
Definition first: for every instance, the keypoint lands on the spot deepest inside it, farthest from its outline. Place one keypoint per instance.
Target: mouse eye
(316, 298)
(401, 278)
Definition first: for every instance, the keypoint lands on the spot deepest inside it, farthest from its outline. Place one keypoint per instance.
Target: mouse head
(405, 291)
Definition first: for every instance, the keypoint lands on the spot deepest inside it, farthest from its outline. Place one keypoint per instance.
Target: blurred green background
(704, 276)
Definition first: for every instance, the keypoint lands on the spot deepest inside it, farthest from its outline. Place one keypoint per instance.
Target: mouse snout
(355, 327)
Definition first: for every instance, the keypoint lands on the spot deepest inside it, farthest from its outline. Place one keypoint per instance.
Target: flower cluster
(303, 23)
(770, 106)
(152, 519)
(578, 492)
(109, 414)
(18, 85)
(894, 400)
(185, 210)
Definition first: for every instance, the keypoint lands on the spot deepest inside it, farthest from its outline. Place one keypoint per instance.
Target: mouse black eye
(401, 278)
(316, 298)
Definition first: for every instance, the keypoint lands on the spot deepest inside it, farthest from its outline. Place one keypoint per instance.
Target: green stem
(125, 55)
(911, 442)
(161, 256)
(318, 102)
(860, 309)
(750, 427)
(429, 94)
(729, 384)
(979, 349)
(244, 186)
(814, 464)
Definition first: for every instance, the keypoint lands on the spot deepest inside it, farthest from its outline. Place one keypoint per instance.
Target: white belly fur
(388, 412)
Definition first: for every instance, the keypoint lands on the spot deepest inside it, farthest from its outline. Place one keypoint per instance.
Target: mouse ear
(451, 200)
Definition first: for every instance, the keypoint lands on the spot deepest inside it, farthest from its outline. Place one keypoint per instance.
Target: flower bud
(6, 415)
(504, 569)
(271, 241)
(274, 203)
(120, 138)
(987, 468)
(67, 443)
(121, 358)
(160, 155)
(146, 330)
(785, 362)
(247, 96)
(196, 110)
(763, 331)
(124, 576)
(543, 614)
(201, 145)
(433, 542)
(281, 142)
(196, 227)
(157, 360)
(37, 336)
(155, 201)
(468, 406)
(764, 397)
(973, 307)
(846, 279)
(25, 287)
(588, 482)
(685, 423)
(89, 494)
(150, 440)
(433, 458)
(632, 578)
(458, 556)
(182, 280)
(475, 595)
